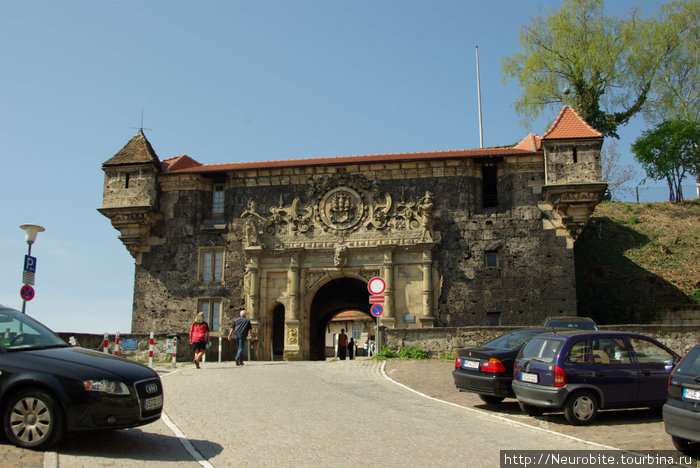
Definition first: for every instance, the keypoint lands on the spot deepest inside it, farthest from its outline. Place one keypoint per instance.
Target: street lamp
(30, 232)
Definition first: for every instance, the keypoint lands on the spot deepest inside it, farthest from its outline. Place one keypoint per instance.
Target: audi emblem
(152, 388)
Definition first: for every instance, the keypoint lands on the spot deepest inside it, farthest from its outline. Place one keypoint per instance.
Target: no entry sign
(376, 286)
(27, 292)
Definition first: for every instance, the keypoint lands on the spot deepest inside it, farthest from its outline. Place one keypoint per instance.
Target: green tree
(675, 92)
(601, 65)
(670, 152)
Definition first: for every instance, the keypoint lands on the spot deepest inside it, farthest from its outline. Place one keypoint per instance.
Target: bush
(404, 353)
(695, 295)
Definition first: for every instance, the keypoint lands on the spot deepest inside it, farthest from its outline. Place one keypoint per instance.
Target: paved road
(325, 413)
(334, 412)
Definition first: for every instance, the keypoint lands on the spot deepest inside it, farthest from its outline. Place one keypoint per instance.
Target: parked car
(48, 387)
(565, 321)
(682, 409)
(583, 371)
(488, 369)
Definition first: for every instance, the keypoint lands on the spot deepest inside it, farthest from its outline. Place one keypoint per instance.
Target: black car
(48, 387)
(582, 371)
(488, 369)
(682, 409)
(568, 322)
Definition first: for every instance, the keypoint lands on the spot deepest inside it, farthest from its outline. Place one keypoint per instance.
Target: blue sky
(226, 81)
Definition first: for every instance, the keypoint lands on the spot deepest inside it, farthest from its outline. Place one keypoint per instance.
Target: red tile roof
(569, 124)
(531, 142)
(179, 162)
(367, 159)
(351, 316)
(137, 151)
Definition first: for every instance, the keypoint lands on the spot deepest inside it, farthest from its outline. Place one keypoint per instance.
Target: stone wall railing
(443, 342)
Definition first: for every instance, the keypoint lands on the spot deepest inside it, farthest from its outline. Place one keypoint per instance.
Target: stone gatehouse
(469, 237)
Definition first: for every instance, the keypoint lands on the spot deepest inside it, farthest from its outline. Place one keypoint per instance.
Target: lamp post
(30, 232)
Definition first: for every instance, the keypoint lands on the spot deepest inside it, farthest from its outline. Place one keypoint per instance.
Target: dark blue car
(584, 371)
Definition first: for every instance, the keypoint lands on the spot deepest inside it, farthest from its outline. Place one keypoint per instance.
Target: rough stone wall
(534, 277)
(442, 342)
(141, 190)
(561, 168)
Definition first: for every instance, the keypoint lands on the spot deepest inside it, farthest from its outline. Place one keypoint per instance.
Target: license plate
(467, 364)
(528, 377)
(691, 394)
(153, 403)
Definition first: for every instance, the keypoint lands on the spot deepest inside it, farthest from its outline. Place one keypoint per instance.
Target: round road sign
(376, 286)
(27, 292)
(376, 310)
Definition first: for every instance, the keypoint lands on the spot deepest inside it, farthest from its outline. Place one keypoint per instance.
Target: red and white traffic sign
(376, 286)
(377, 310)
(27, 292)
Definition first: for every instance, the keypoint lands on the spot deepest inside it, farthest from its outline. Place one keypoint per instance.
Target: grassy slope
(632, 259)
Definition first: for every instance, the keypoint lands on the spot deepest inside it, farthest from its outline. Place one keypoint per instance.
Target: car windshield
(690, 365)
(572, 324)
(511, 340)
(541, 350)
(20, 332)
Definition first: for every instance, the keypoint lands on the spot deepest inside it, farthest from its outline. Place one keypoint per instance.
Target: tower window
(492, 259)
(218, 199)
(489, 175)
(126, 180)
(574, 153)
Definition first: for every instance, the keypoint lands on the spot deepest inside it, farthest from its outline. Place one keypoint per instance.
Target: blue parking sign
(30, 263)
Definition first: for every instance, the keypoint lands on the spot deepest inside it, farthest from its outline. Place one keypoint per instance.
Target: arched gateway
(468, 237)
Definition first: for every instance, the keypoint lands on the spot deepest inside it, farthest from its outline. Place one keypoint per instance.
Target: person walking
(240, 329)
(342, 343)
(199, 337)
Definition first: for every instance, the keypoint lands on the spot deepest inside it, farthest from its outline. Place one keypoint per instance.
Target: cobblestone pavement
(337, 412)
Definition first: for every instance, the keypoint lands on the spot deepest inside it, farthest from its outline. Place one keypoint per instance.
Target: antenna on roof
(141, 127)
(478, 90)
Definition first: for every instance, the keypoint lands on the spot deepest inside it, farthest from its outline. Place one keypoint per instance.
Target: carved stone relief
(342, 211)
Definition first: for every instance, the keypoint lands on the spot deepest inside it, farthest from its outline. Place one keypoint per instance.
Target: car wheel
(530, 410)
(491, 399)
(581, 408)
(33, 419)
(686, 447)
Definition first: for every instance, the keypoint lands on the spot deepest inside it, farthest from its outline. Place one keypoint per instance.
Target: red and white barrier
(116, 344)
(150, 351)
(174, 350)
(105, 344)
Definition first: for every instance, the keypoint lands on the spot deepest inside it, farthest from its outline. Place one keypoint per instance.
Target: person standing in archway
(342, 343)
(240, 329)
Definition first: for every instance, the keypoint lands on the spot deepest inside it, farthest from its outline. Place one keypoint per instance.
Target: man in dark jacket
(240, 329)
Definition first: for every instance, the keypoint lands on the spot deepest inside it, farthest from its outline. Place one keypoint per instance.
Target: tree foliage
(670, 151)
(601, 65)
(675, 92)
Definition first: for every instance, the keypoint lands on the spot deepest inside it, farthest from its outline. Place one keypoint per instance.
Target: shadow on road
(135, 444)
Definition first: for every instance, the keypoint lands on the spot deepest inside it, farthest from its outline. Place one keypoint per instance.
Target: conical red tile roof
(569, 124)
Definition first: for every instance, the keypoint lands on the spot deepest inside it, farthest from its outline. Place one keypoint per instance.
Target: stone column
(292, 348)
(427, 319)
(252, 292)
(388, 319)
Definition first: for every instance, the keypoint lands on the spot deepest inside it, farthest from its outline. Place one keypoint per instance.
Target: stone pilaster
(427, 319)
(388, 318)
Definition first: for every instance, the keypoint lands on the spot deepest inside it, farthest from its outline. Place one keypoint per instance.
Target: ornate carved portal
(343, 228)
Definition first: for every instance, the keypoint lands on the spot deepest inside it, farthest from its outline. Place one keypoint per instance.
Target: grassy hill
(635, 258)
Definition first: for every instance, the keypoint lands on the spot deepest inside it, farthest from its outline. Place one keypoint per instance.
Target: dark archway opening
(278, 330)
(334, 297)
